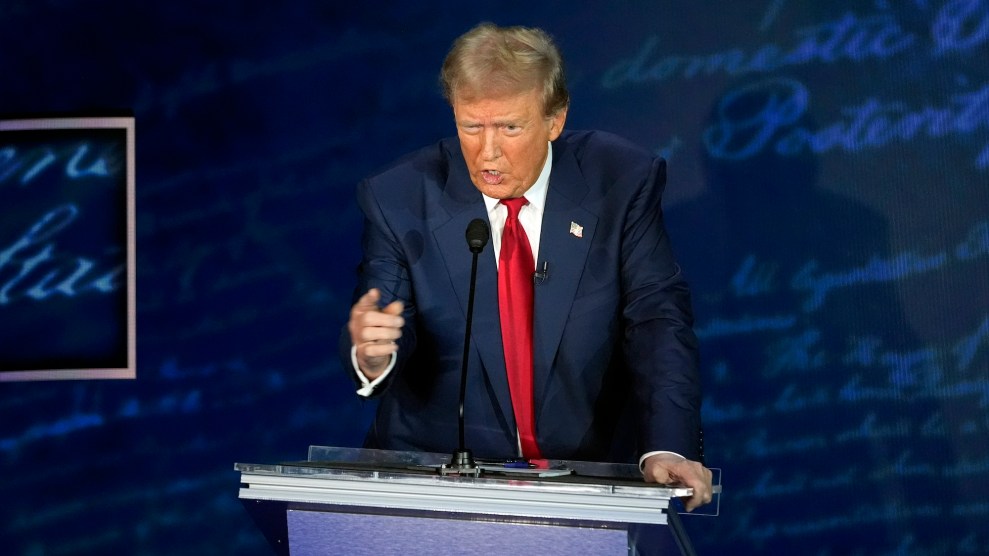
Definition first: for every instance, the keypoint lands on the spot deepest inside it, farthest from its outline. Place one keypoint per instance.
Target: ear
(556, 123)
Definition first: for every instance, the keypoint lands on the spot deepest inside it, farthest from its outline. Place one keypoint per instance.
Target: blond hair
(490, 61)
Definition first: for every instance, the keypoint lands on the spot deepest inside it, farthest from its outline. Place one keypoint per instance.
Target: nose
(490, 144)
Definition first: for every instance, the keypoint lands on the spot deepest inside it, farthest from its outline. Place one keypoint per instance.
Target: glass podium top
(395, 480)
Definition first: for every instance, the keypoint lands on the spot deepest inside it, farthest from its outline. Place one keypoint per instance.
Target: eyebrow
(503, 122)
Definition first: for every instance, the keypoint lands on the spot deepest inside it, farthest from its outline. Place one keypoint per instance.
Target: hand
(672, 469)
(374, 332)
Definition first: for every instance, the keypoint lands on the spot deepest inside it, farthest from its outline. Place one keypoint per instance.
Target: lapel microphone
(538, 277)
(462, 462)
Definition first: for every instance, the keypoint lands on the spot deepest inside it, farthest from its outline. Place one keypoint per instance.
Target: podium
(358, 501)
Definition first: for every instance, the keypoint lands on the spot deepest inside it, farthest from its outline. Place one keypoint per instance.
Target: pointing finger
(368, 301)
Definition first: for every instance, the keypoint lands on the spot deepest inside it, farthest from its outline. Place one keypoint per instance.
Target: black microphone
(540, 277)
(462, 462)
(477, 238)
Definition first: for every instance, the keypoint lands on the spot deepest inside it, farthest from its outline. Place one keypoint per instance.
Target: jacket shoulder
(605, 157)
(602, 144)
(430, 162)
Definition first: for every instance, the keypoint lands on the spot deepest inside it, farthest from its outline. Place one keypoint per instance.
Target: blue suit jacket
(616, 370)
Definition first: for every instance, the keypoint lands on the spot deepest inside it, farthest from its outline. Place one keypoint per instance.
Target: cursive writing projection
(825, 395)
(64, 426)
(957, 26)
(920, 374)
(32, 267)
(26, 167)
(849, 37)
(774, 125)
(817, 283)
(208, 79)
(960, 26)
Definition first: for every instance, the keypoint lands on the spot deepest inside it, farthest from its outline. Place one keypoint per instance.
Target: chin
(494, 191)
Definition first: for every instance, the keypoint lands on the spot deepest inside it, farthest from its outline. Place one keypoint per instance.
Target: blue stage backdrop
(827, 198)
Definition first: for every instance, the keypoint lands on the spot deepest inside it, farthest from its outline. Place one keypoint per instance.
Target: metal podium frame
(382, 482)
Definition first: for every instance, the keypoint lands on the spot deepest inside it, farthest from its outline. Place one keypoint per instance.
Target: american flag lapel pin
(576, 230)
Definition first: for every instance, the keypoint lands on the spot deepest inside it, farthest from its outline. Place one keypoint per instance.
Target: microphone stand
(462, 462)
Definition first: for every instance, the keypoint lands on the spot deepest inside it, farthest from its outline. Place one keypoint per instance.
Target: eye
(471, 129)
(512, 129)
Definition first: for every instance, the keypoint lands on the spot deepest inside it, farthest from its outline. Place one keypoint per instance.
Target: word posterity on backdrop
(827, 199)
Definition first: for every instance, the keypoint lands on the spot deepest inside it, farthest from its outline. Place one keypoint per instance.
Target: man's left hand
(671, 469)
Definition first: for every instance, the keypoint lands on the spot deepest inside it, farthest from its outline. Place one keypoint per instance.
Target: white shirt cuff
(368, 386)
(642, 460)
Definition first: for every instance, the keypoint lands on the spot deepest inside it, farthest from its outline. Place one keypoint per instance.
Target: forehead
(509, 106)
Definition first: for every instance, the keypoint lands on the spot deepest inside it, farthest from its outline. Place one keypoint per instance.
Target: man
(594, 361)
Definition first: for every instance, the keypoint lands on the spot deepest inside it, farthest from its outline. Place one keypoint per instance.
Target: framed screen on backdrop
(67, 248)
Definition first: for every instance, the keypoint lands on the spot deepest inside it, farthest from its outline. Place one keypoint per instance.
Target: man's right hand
(374, 332)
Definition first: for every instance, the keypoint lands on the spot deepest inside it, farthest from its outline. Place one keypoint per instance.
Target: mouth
(491, 177)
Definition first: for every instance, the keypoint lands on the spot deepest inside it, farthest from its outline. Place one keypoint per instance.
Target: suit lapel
(564, 250)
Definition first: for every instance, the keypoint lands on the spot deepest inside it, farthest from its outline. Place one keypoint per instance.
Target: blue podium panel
(313, 533)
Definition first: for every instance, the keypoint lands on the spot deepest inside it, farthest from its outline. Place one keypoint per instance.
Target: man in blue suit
(613, 370)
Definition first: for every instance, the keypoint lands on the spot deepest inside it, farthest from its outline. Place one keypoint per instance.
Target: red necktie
(515, 269)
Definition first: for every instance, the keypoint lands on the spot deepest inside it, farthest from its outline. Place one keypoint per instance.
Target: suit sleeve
(384, 266)
(660, 347)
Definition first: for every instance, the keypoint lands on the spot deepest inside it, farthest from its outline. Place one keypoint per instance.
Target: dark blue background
(827, 198)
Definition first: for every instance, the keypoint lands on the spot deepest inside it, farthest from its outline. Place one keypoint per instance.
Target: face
(504, 141)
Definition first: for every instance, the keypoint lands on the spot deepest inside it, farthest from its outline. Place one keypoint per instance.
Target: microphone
(477, 238)
(462, 462)
(540, 277)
